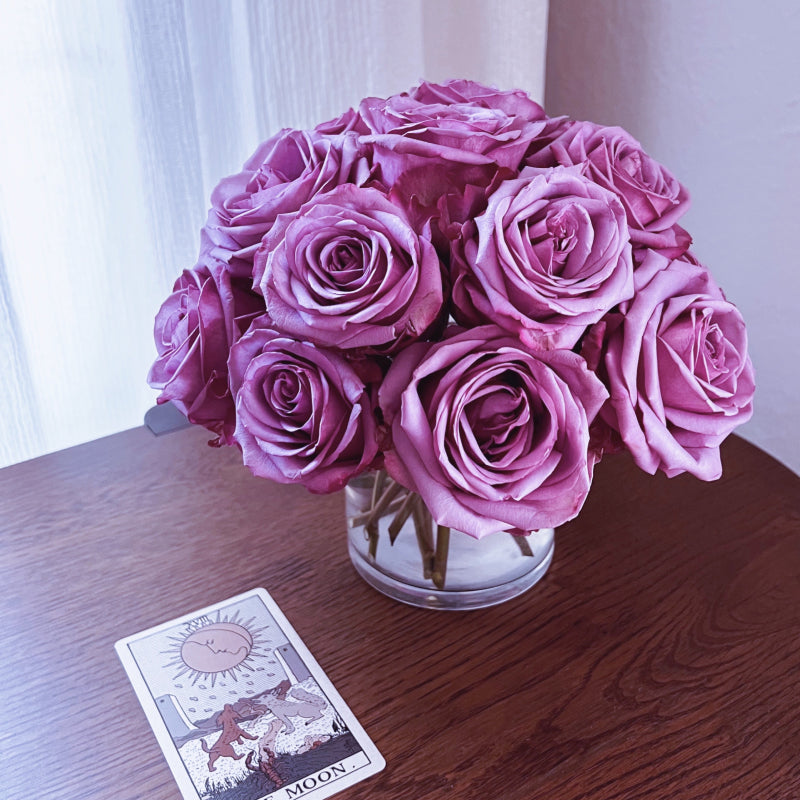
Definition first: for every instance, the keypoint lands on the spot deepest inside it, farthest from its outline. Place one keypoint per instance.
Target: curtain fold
(16, 391)
(116, 121)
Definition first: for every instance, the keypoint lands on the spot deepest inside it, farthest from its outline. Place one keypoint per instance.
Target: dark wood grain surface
(658, 658)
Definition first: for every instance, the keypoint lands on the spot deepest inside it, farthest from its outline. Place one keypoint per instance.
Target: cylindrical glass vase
(398, 549)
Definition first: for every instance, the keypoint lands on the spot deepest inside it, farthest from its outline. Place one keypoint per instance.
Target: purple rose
(302, 413)
(492, 435)
(654, 200)
(549, 256)
(283, 173)
(514, 103)
(439, 141)
(462, 123)
(349, 271)
(206, 313)
(675, 361)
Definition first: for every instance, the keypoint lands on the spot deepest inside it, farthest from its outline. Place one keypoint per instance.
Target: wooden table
(658, 658)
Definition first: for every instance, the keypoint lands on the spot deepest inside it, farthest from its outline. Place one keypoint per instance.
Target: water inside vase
(402, 553)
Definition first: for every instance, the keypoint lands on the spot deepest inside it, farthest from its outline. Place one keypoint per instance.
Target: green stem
(440, 558)
(402, 515)
(377, 486)
(379, 508)
(522, 543)
(423, 531)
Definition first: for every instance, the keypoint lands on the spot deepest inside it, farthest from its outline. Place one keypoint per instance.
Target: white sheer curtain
(117, 119)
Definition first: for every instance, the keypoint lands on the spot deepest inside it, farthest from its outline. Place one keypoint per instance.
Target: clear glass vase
(396, 546)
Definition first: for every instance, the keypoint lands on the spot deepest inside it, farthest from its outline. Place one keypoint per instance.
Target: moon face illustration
(217, 647)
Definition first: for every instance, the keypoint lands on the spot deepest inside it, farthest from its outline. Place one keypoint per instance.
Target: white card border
(173, 758)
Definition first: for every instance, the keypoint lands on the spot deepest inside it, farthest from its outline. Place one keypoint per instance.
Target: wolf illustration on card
(298, 703)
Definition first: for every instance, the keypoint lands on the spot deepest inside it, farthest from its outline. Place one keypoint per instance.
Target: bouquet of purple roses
(451, 286)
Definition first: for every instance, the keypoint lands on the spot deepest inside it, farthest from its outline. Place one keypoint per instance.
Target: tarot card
(241, 709)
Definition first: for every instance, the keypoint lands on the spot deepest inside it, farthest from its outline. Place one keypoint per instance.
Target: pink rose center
(562, 227)
(266, 178)
(558, 241)
(344, 261)
(342, 267)
(712, 362)
(631, 164)
(180, 326)
(496, 419)
(285, 391)
(502, 421)
(646, 173)
(700, 344)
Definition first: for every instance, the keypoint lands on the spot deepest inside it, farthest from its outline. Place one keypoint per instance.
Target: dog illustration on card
(231, 732)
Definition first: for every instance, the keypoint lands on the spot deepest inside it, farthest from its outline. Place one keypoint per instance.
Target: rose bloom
(493, 436)
(435, 142)
(348, 271)
(548, 257)
(654, 200)
(194, 329)
(675, 361)
(302, 413)
(284, 172)
(460, 122)
(514, 103)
